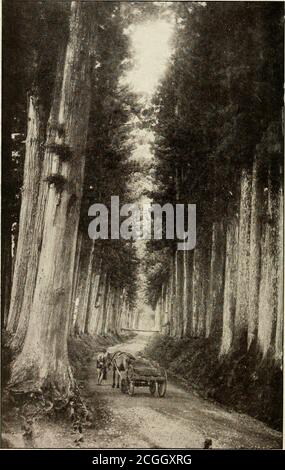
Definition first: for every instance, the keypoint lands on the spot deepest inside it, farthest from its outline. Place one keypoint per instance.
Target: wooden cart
(144, 373)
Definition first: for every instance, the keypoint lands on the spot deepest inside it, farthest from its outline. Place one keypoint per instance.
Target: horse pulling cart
(144, 373)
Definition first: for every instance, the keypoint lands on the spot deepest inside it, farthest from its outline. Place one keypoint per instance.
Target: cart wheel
(124, 387)
(131, 388)
(161, 389)
(152, 388)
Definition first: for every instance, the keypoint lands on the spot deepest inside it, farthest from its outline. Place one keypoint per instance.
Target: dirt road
(180, 420)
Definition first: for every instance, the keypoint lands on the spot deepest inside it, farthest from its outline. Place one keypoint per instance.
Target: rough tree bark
(214, 319)
(101, 302)
(97, 317)
(36, 241)
(122, 309)
(81, 285)
(255, 254)
(87, 290)
(185, 279)
(172, 298)
(280, 276)
(166, 322)
(179, 284)
(75, 282)
(104, 311)
(200, 289)
(6, 219)
(230, 286)
(268, 293)
(43, 365)
(242, 299)
(92, 319)
(30, 189)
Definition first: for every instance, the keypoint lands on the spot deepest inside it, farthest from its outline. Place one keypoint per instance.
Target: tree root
(48, 402)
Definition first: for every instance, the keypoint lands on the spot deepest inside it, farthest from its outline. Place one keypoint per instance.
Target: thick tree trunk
(162, 306)
(112, 315)
(164, 312)
(86, 269)
(172, 294)
(116, 309)
(269, 297)
(92, 294)
(43, 363)
(214, 320)
(75, 282)
(195, 294)
(7, 193)
(100, 310)
(242, 300)
(93, 317)
(188, 294)
(6, 271)
(102, 300)
(6, 213)
(179, 284)
(230, 287)
(87, 291)
(108, 306)
(36, 243)
(200, 291)
(30, 189)
(86, 249)
(125, 314)
(106, 303)
(257, 207)
(280, 277)
(185, 280)
(157, 314)
(122, 310)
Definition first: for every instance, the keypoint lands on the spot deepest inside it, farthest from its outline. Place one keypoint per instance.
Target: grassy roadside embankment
(242, 382)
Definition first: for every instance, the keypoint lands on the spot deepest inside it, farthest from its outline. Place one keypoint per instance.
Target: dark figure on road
(103, 363)
(208, 444)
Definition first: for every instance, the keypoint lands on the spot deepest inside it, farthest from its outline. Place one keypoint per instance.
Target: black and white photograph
(142, 206)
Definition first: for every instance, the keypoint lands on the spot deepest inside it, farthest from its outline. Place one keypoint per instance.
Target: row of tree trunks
(229, 288)
(60, 285)
(98, 307)
(43, 364)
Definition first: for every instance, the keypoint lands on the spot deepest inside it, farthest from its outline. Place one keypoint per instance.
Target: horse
(120, 361)
(103, 363)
